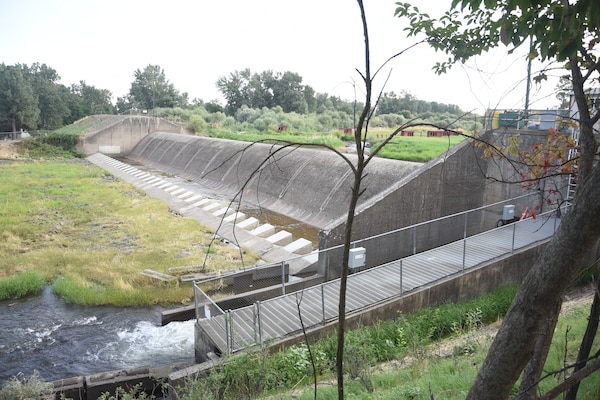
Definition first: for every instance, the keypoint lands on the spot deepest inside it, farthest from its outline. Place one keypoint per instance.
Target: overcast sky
(102, 42)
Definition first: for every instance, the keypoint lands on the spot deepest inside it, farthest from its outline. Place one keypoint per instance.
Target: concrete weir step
(248, 223)
(281, 238)
(263, 230)
(299, 246)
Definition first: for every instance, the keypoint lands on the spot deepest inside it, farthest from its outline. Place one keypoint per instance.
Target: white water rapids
(61, 341)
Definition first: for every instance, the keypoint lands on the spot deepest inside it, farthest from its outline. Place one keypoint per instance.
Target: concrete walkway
(241, 328)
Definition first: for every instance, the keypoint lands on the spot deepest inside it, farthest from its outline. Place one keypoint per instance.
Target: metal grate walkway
(238, 329)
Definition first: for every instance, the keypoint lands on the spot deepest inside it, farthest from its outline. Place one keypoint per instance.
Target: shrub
(26, 387)
(26, 283)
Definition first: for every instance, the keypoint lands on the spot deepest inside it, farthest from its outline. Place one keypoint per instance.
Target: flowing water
(61, 341)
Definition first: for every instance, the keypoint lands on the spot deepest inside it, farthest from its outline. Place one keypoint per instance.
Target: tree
(563, 92)
(151, 89)
(565, 32)
(266, 89)
(234, 91)
(93, 100)
(52, 98)
(18, 103)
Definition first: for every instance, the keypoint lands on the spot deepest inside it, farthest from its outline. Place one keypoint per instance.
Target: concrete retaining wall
(123, 133)
(457, 181)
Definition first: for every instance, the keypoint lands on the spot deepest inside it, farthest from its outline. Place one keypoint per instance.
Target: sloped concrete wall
(121, 136)
(308, 185)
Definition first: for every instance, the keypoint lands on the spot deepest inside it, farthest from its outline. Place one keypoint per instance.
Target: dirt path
(8, 149)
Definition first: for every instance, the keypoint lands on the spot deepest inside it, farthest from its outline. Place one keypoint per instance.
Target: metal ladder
(572, 184)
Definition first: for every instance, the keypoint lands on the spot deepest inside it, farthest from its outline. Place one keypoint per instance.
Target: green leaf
(506, 33)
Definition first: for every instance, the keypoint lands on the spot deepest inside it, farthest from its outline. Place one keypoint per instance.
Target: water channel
(61, 341)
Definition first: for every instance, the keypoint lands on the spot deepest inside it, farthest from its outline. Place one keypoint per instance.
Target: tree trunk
(587, 341)
(533, 371)
(541, 291)
(356, 192)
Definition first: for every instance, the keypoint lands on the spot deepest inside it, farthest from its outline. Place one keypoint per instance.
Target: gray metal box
(508, 212)
(357, 257)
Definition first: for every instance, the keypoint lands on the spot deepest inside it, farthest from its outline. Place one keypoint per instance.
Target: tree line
(32, 97)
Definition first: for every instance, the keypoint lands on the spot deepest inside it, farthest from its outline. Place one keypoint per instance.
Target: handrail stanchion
(283, 277)
(414, 240)
(257, 324)
(401, 289)
(228, 338)
(323, 302)
(464, 258)
(512, 250)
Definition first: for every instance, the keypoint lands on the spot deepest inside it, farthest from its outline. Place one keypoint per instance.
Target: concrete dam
(313, 186)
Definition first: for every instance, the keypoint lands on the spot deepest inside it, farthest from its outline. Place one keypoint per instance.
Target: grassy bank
(90, 235)
(418, 148)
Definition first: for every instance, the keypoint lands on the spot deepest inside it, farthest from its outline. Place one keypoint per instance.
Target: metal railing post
(196, 302)
(323, 302)
(464, 260)
(283, 277)
(228, 330)
(512, 249)
(414, 240)
(401, 270)
(257, 324)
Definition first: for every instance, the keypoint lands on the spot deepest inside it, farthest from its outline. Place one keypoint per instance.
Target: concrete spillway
(308, 185)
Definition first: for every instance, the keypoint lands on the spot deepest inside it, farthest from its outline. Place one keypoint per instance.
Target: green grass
(417, 148)
(326, 139)
(23, 284)
(90, 235)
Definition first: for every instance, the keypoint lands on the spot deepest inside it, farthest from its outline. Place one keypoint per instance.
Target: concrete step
(263, 230)
(212, 206)
(299, 246)
(185, 195)
(235, 217)
(202, 202)
(280, 238)
(193, 199)
(248, 223)
(172, 188)
(158, 275)
(165, 185)
(223, 211)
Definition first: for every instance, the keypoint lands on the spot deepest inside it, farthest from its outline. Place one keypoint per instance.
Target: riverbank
(91, 236)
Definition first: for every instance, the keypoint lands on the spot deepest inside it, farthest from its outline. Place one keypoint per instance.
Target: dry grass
(73, 221)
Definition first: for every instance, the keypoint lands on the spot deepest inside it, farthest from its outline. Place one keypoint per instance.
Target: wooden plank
(158, 275)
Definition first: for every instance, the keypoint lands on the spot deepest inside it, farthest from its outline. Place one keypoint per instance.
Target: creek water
(61, 341)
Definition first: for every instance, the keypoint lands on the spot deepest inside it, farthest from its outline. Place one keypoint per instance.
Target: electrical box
(357, 258)
(508, 213)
